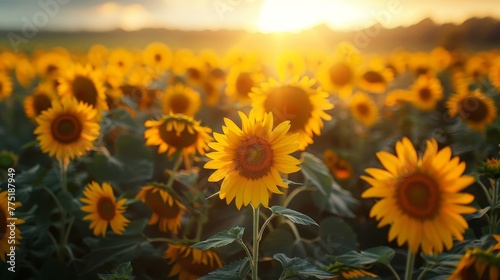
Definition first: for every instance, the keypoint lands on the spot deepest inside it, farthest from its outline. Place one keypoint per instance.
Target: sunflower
(167, 211)
(240, 81)
(337, 75)
(290, 64)
(419, 196)
(250, 159)
(492, 168)
(7, 60)
(157, 56)
(440, 58)
(495, 74)
(6, 242)
(40, 100)
(97, 55)
(100, 203)
(426, 92)
(364, 109)
(296, 101)
(339, 167)
(180, 99)
(139, 76)
(181, 60)
(67, 129)
(189, 263)
(5, 86)
(50, 65)
(475, 108)
(348, 272)
(375, 81)
(177, 132)
(476, 68)
(85, 85)
(25, 72)
(420, 63)
(477, 264)
(122, 59)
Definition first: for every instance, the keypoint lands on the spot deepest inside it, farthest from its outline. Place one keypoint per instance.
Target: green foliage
(220, 239)
(122, 272)
(361, 259)
(297, 267)
(293, 215)
(237, 270)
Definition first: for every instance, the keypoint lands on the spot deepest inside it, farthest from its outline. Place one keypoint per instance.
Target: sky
(251, 15)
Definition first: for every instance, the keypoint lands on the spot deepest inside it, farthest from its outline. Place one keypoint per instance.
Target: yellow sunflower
(5, 85)
(250, 159)
(290, 64)
(189, 263)
(364, 109)
(181, 60)
(476, 68)
(157, 56)
(240, 81)
(180, 99)
(97, 55)
(8, 60)
(50, 65)
(477, 264)
(25, 72)
(420, 63)
(419, 196)
(103, 209)
(167, 211)
(295, 101)
(340, 168)
(475, 108)
(67, 129)
(85, 85)
(426, 92)
(495, 74)
(375, 81)
(122, 59)
(40, 100)
(5, 230)
(177, 132)
(492, 168)
(337, 75)
(348, 272)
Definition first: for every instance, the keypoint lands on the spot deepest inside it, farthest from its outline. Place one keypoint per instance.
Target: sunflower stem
(255, 256)
(496, 186)
(393, 271)
(64, 188)
(177, 164)
(410, 261)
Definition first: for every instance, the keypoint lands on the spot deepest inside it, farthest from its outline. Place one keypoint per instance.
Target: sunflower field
(165, 163)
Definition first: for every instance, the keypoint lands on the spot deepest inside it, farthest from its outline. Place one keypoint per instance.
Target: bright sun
(297, 15)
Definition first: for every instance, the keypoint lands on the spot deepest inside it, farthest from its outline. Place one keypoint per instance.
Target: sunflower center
(418, 196)
(160, 207)
(157, 57)
(194, 73)
(473, 109)
(340, 74)
(106, 208)
(425, 94)
(3, 224)
(289, 103)
(1, 86)
(179, 103)
(373, 77)
(120, 64)
(244, 84)
(51, 69)
(363, 109)
(254, 157)
(66, 128)
(41, 102)
(177, 139)
(85, 90)
(421, 70)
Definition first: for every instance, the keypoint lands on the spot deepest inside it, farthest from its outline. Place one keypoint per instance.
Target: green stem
(494, 222)
(264, 225)
(160, 239)
(410, 261)
(393, 271)
(426, 268)
(255, 259)
(485, 190)
(249, 255)
(64, 188)
(177, 164)
(294, 193)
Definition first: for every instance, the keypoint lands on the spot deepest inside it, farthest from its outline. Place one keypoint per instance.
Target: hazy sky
(263, 15)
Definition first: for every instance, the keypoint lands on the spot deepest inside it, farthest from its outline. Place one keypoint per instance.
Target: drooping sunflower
(426, 92)
(177, 132)
(189, 263)
(25, 72)
(157, 56)
(104, 210)
(364, 109)
(475, 108)
(86, 86)
(295, 101)
(477, 264)
(5, 240)
(181, 99)
(337, 75)
(419, 196)
(240, 81)
(167, 211)
(40, 100)
(5, 85)
(290, 64)
(67, 129)
(250, 159)
(339, 167)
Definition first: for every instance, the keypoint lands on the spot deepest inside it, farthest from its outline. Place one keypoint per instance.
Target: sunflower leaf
(380, 254)
(220, 239)
(237, 270)
(478, 214)
(293, 215)
(298, 267)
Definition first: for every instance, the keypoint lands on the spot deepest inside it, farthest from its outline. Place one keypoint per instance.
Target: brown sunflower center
(3, 224)
(51, 69)
(1, 86)
(194, 73)
(179, 103)
(373, 77)
(106, 208)
(340, 74)
(289, 103)
(176, 139)
(254, 157)
(41, 102)
(363, 109)
(421, 70)
(160, 207)
(66, 128)
(418, 196)
(120, 64)
(425, 94)
(85, 90)
(157, 57)
(473, 109)
(244, 84)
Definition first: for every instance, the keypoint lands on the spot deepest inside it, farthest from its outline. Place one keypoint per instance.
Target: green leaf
(136, 158)
(119, 117)
(335, 232)
(106, 168)
(235, 271)
(277, 241)
(220, 239)
(317, 172)
(379, 254)
(122, 272)
(300, 268)
(293, 215)
(70, 204)
(478, 214)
